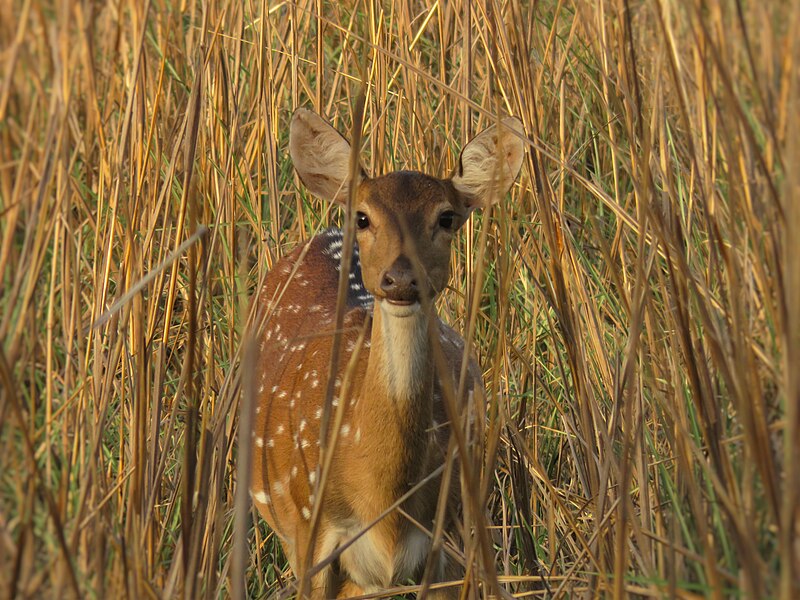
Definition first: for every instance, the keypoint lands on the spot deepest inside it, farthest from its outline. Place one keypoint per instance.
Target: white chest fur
(367, 560)
(404, 331)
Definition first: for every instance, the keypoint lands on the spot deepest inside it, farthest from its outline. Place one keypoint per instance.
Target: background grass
(637, 308)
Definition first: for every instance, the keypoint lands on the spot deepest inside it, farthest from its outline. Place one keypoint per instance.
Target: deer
(386, 429)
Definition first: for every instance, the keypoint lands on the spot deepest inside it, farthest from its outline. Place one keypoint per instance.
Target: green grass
(637, 322)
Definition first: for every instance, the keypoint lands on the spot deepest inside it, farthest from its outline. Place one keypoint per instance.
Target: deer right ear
(321, 156)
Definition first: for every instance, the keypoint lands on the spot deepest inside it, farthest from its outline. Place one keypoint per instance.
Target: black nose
(399, 283)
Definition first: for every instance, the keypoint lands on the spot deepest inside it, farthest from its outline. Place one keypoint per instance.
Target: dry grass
(637, 318)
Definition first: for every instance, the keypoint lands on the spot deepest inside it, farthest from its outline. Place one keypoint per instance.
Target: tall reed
(636, 316)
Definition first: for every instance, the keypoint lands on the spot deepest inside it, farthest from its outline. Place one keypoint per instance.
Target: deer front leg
(447, 570)
(349, 590)
(321, 585)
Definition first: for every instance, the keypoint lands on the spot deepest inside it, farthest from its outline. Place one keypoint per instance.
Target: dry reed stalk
(634, 303)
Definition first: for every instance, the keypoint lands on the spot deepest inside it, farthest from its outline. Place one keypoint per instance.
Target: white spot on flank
(280, 429)
(277, 488)
(318, 414)
(312, 477)
(294, 471)
(260, 442)
(271, 443)
(261, 497)
(305, 443)
(358, 435)
(345, 429)
(302, 424)
(315, 383)
(306, 513)
(274, 388)
(261, 389)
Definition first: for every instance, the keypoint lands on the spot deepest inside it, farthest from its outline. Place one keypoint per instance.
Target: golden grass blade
(633, 302)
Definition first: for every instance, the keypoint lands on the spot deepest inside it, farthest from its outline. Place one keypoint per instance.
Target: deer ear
(489, 164)
(321, 156)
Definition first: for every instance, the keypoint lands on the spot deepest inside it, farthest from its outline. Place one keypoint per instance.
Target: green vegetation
(637, 294)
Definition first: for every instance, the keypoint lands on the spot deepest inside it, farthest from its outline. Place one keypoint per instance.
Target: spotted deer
(388, 429)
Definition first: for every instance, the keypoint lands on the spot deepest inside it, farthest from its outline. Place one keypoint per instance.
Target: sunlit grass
(637, 323)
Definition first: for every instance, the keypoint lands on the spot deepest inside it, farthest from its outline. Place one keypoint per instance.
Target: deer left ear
(489, 164)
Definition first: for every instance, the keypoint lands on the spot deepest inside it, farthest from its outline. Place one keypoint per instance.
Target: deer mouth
(402, 297)
(400, 308)
(402, 302)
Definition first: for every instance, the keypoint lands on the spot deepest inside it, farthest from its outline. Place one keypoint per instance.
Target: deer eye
(362, 221)
(447, 219)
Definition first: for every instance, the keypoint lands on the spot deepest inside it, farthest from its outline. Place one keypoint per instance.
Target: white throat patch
(405, 348)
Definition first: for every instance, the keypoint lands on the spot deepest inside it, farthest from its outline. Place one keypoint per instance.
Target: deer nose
(398, 282)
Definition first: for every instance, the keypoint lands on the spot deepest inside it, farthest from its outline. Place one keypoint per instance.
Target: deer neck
(400, 356)
(399, 388)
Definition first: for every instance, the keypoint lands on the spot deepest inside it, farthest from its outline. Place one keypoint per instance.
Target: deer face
(405, 223)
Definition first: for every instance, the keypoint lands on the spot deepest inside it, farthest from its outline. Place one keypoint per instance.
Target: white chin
(400, 310)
